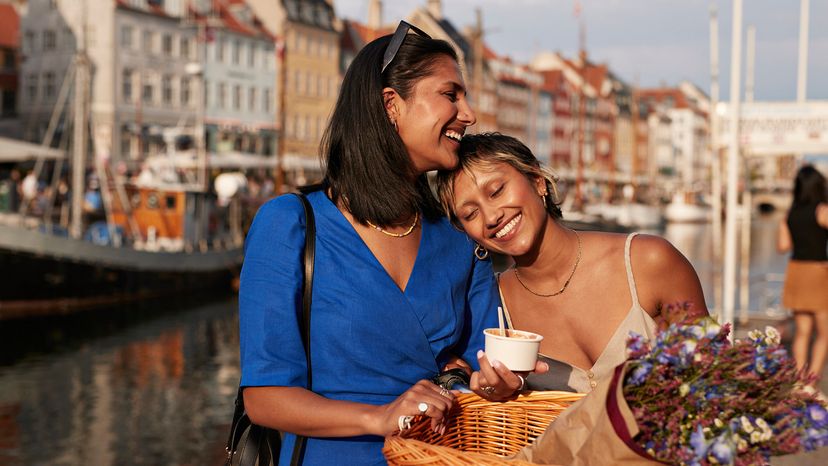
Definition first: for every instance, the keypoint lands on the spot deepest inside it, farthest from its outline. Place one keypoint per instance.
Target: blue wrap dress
(370, 341)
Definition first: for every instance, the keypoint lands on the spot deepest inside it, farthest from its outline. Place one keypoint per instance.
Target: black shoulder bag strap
(307, 297)
(263, 444)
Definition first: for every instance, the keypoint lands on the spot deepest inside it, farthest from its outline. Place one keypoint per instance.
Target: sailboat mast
(79, 141)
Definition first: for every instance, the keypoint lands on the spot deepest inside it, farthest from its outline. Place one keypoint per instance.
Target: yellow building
(309, 80)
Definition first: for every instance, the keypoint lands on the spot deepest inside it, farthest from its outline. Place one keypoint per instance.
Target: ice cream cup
(517, 350)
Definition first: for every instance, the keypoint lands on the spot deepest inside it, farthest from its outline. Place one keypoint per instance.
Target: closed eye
(470, 216)
(497, 191)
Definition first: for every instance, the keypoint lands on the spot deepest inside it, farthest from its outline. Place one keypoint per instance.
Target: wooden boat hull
(48, 274)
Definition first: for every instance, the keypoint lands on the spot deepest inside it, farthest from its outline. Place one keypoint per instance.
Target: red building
(9, 59)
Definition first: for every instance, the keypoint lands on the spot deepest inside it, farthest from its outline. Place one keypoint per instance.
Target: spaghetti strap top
(566, 377)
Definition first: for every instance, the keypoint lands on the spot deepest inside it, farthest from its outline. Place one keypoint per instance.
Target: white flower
(684, 389)
(746, 424)
(772, 336)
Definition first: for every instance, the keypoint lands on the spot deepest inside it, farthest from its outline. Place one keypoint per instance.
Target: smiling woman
(575, 289)
(397, 292)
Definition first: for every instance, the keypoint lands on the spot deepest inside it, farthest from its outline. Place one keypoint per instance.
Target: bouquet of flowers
(691, 397)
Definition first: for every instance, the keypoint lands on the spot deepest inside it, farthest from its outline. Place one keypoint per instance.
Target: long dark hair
(368, 167)
(809, 187)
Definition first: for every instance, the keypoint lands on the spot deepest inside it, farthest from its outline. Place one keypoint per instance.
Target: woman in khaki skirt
(805, 231)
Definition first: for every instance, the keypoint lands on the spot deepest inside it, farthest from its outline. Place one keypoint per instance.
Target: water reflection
(159, 392)
(766, 266)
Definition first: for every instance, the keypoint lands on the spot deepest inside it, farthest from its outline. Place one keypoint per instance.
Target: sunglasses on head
(396, 42)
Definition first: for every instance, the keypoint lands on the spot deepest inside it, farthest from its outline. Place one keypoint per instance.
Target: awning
(15, 150)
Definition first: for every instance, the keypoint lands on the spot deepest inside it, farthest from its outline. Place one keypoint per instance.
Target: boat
(155, 235)
(683, 208)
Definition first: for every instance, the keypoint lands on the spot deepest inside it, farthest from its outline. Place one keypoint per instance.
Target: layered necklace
(396, 235)
(566, 283)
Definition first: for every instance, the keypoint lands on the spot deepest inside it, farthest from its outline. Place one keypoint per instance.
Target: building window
(146, 41)
(300, 84)
(166, 89)
(185, 91)
(185, 47)
(220, 50)
(147, 91)
(49, 40)
(237, 52)
(251, 99)
(31, 87)
(126, 143)
(49, 85)
(251, 56)
(126, 85)
(222, 95)
(268, 100)
(29, 42)
(237, 97)
(167, 45)
(126, 36)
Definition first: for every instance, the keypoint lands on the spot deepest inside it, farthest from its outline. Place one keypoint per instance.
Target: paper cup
(518, 351)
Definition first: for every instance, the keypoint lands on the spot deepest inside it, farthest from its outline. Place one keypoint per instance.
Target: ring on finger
(422, 407)
(404, 422)
(522, 383)
(487, 390)
(445, 392)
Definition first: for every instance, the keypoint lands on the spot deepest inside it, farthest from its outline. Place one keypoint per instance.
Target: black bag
(250, 444)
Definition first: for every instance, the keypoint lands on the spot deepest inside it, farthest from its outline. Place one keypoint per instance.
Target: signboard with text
(778, 128)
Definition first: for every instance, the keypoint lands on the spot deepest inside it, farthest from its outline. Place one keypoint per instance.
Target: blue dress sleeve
(482, 300)
(270, 296)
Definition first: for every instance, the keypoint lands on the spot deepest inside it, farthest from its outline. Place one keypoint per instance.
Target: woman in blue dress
(397, 291)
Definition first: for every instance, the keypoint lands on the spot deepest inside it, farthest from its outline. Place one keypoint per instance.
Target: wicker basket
(480, 432)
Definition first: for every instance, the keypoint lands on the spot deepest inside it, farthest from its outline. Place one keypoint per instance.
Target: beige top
(563, 376)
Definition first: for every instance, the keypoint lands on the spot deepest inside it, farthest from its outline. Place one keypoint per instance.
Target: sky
(647, 42)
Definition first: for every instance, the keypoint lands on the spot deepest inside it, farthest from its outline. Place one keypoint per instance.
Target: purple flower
(722, 450)
(639, 374)
(818, 415)
(699, 443)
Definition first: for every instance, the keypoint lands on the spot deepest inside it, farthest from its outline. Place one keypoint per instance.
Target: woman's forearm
(300, 411)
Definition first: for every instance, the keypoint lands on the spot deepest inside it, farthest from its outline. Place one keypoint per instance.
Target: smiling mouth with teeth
(508, 227)
(453, 135)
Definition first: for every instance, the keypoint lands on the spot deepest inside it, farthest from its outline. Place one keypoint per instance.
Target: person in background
(397, 291)
(584, 292)
(804, 231)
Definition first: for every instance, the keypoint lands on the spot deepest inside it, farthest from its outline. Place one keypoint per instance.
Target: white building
(679, 134)
(240, 80)
(139, 51)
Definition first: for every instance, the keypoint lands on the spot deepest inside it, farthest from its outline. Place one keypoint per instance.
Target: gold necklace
(396, 235)
(566, 283)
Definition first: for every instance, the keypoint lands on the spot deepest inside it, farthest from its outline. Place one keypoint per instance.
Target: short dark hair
(490, 148)
(809, 187)
(368, 167)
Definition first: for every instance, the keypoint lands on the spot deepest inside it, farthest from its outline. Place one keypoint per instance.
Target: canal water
(153, 384)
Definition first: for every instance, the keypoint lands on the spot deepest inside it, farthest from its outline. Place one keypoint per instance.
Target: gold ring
(487, 390)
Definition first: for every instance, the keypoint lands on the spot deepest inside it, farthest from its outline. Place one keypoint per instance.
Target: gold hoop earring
(480, 252)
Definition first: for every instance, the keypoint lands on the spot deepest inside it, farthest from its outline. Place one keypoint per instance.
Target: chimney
(435, 7)
(375, 14)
